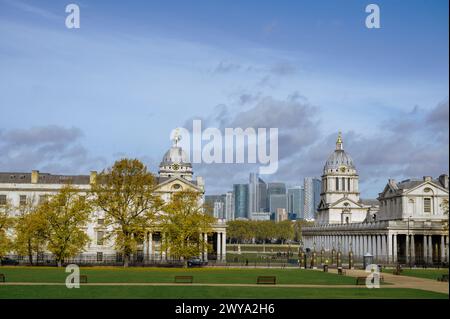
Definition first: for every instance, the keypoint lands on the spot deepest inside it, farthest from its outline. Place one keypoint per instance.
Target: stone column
(150, 245)
(408, 251)
(378, 237)
(425, 248)
(389, 248)
(206, 246)
(446, 249)
(219, 248)
(430, 249)
(394, 249)
(442, 248)
(374, 246)
(224, 246)
(413, 250)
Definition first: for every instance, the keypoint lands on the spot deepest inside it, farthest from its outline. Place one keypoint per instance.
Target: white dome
(175, 155)
(339, 158)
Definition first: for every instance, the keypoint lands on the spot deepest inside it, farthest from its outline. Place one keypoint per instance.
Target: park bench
(2, 278)
(443, 278)
(360, 281)
(341, 271)
(266, 280)
(184, 279)
(83, 279)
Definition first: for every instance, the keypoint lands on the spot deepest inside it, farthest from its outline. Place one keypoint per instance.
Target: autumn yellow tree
(65, 217)
(183, 222)
(6, 222)
(125, 193)
(30, 230)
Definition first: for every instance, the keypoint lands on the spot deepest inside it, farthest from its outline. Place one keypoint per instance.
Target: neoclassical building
(408, 223)
(340, 202)
(175, 174)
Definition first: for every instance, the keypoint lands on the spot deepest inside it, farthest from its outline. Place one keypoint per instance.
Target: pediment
(175, 184)
(341, 203)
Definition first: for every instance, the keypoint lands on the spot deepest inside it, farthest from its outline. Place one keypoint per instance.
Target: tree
(240, 230)
(125, 193)
(182, 223)
(285, 231)
(64, 216)
(6, 222)
(298, 228)
(30, 230)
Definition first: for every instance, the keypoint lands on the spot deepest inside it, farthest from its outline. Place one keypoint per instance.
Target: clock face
(175, 166)
(342, 169)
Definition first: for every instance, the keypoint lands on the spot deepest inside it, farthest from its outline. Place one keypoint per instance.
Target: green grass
(421, 273)
(165, 275)
(180, 292)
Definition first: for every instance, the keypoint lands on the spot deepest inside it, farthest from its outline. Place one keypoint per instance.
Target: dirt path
(404, 281)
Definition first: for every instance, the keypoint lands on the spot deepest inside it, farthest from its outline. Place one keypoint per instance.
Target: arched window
(337, 183)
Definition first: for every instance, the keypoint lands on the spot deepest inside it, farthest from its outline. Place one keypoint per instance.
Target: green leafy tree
(125, 193)
(285, 231)
(182, 223)
(240, 230)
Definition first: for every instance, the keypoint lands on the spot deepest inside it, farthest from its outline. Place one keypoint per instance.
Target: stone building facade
(408, 223)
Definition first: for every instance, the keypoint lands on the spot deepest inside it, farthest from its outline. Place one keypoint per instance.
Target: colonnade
(152, 248)
(384, 247)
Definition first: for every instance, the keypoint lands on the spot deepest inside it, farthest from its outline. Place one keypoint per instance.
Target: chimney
(443, 179)
(427, 178)
(34, 177)
(93, 177)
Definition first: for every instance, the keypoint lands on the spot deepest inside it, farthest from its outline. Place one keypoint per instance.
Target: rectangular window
(337, 183)
(348, 184)
(3, 200)
(43, 199)
(23, 200)
(101, 221)
(99, 256)
(100, 236)
(427, 205)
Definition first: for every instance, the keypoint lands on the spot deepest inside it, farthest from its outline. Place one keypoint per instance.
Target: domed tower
(176, 162)
(339, 187)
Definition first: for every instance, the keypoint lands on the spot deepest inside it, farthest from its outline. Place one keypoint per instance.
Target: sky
(75, 100)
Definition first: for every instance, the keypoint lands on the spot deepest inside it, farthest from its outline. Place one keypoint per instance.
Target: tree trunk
(30, 253)
(126, 260)
(59, 263)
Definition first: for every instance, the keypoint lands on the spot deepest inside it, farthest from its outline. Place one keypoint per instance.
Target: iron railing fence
(232, 260)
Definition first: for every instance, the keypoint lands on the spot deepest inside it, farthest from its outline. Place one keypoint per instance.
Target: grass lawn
(184, 292)
(422, 273)
(166, 275)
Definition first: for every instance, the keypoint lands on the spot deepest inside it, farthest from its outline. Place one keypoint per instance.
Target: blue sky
(74, 100)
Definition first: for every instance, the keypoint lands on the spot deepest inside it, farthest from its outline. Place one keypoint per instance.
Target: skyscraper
(312, 187)
(229, 206)
(295, 199)
(276, 195)
(215, 205)
(257, 190)
(241, 201)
